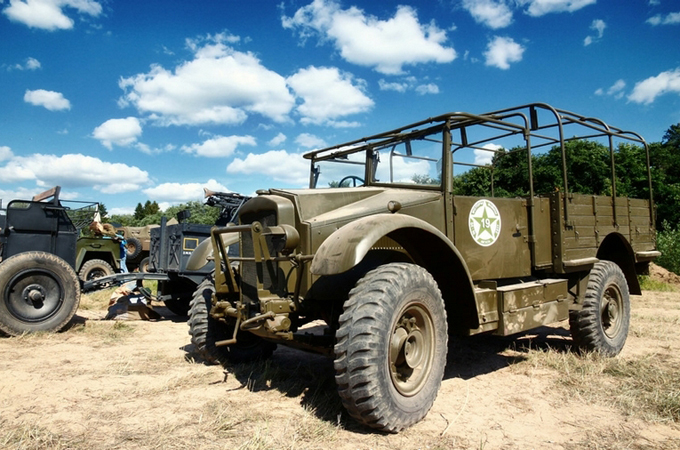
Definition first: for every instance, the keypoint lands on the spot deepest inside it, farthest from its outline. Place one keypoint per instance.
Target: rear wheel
(40, 292)
(391, 347)
(206, 331)
(95, 268)
(603, 321)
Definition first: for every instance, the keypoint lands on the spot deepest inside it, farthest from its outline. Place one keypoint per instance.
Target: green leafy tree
(151, 208)
(200, 213)
(139, 212)
(475, 182)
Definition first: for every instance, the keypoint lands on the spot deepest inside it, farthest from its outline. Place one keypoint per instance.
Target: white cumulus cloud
(280, 165)
(648, 90)
(598, 26)
(49, 14)
(219, 146)
(277, 140)
(615, 90)
(54, 101)
(5, 152)
(484, 156)
(537, 8)
(395, 42)
(310, 141)
(73, 170)
(501, 51)
(120, 132)
(429, 88)
(176, 193)
(328, 94)
(669, 19)
(492, 13)
(30, 64)
(219, 86)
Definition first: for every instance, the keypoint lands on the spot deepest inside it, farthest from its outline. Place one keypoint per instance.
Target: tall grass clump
(668, 243)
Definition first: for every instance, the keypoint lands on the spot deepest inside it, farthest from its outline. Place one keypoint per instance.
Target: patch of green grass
(649, 284)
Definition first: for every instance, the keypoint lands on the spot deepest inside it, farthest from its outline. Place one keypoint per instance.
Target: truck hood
(326, 206)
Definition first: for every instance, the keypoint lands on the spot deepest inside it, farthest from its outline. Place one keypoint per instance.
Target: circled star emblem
(484, 222)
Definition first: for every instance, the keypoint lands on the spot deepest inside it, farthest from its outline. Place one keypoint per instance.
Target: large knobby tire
(205, 331)
(133, 247)
(40, 292)
(602, 323)
(391, 346)
(95, 268)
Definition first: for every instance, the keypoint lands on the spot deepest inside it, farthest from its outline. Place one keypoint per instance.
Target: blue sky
(124, 101)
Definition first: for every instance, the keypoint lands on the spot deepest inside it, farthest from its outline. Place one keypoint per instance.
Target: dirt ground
(135, 384)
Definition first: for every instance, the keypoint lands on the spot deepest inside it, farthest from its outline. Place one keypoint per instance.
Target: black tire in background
(40, 292)
(603, 321)
(133, 247)
(182, 290)
(205, 331)
(95, 268)
(391, 347)
(178, 307)
(144, 264)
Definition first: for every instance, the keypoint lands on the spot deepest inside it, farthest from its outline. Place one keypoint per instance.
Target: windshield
(413, 161)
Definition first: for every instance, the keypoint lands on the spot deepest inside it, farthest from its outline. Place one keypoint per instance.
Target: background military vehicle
(171, 247)
(395, 264)
(138, 245)
(39, 287)
(97, 256)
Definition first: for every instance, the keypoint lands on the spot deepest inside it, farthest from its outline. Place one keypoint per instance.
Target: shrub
(668, 243)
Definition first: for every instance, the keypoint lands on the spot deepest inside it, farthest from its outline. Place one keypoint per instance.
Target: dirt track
(135, 385)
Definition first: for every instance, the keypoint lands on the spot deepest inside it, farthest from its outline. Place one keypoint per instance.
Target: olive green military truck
(396, 261)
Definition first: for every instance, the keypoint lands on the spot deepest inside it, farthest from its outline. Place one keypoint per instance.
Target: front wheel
(391, 346)
(40, 292)
(603, 321)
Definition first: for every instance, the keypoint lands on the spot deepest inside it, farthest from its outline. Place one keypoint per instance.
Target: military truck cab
(406, 236)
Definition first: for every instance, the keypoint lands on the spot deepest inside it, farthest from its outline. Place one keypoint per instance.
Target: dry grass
(26, 436)
(645, 386)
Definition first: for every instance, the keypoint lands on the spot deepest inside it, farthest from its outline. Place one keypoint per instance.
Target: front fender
(429, 247)
(347, 246)
(204, 251)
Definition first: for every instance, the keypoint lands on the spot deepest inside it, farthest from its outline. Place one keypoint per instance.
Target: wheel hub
(611, 312)
(411, 348)
(34, 294)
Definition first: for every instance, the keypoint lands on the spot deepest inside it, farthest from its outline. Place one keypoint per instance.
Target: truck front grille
(251, 272)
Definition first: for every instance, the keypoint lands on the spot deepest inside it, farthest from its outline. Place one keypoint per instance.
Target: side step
(519, 307)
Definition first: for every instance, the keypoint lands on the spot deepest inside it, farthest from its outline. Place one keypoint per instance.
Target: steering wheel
(354, 180)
